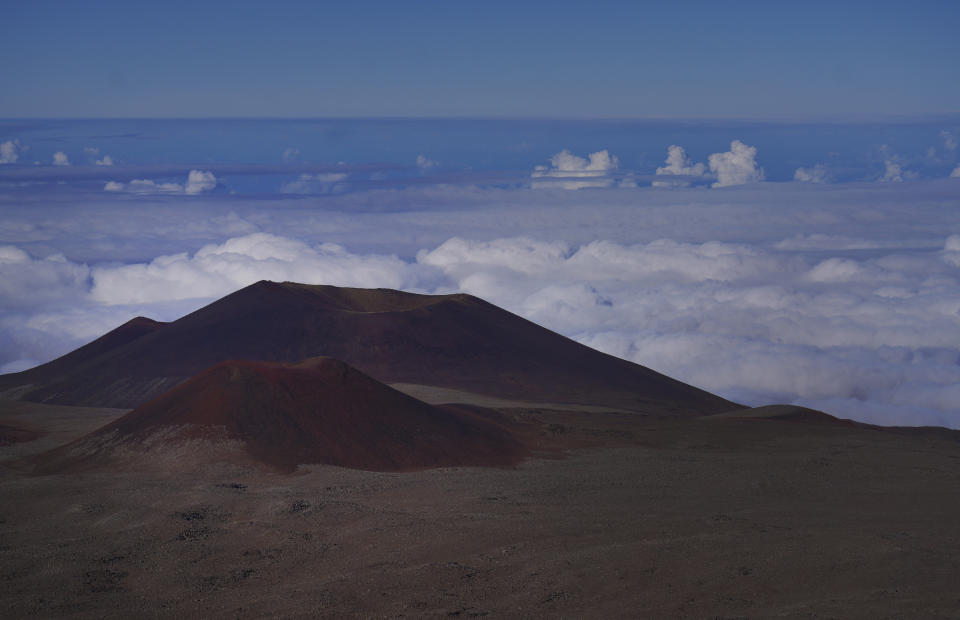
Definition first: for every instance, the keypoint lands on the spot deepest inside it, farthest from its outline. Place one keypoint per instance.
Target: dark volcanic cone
(787, 413)
(318, 411)
(451, 341)
(126, 333)
(74, 363)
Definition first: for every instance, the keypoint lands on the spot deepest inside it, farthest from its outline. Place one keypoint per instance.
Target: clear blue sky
(506, 59)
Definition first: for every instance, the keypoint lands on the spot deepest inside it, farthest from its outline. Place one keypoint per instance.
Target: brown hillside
(318, 411)
(74, 361)
(453, 341)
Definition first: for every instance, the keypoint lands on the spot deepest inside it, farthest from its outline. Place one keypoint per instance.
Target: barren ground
(641, 517)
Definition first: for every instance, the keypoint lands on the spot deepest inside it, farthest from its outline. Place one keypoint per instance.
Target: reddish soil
(451, 341)
(13, 434)
(318, 411)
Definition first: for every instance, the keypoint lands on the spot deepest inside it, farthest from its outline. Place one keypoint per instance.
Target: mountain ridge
(455, 341)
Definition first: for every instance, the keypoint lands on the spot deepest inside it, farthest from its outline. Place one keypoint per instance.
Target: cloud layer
(215, 270)
(873, 337)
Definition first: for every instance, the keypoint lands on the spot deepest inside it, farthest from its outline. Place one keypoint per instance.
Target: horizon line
(787, 119)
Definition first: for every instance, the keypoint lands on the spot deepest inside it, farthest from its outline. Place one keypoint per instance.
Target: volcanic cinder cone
(450, 341)
(318, 411)
(788, 413)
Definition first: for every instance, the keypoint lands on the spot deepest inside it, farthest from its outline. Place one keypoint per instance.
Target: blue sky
(503, 59)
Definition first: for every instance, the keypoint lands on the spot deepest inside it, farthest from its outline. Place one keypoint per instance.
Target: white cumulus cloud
(737, 166)
(678, 164)
(893, 172)
(320, 183)
(9, 151)
(949, 142)
(425, 163)
(60, 159)
(199, 181)
(816, 174)
(574, 172)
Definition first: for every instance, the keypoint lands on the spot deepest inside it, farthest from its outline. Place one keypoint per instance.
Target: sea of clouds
(843, 297)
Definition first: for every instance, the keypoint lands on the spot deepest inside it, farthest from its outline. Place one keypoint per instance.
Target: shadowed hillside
(453, 341)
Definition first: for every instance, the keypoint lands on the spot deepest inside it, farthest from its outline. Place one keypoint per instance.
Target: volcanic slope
(451, 341)
(320, 410)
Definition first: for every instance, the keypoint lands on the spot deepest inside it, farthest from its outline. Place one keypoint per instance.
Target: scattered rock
(104, 580)
(560, 595)
(198, 532)
(236, 486)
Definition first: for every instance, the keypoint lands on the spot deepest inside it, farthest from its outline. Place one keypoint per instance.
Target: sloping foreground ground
(658, 518)
(320, 410)
(450, 341)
